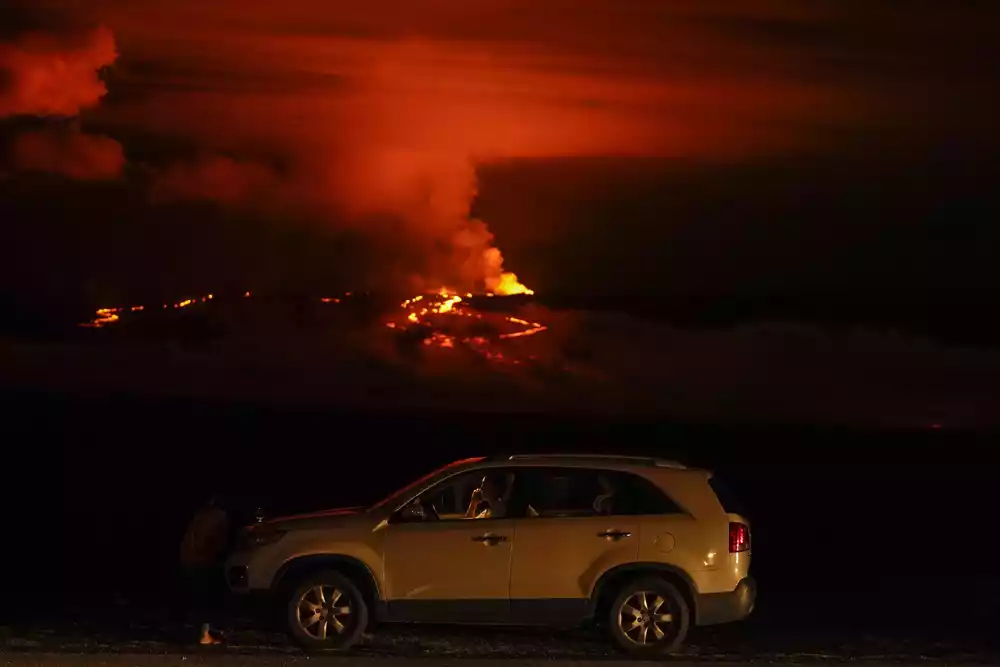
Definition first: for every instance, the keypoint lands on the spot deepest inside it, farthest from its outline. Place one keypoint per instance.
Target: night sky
(830, 161)
(645, 148)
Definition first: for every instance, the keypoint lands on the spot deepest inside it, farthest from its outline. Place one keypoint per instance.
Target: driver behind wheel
(495, 493)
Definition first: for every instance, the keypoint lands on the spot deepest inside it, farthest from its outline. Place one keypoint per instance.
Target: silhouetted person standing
(202, 550)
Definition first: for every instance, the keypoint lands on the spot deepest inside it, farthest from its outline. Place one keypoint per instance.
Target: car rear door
(564, 542)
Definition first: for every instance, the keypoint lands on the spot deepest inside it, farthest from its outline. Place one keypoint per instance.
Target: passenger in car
(496, 500)
(605, 499)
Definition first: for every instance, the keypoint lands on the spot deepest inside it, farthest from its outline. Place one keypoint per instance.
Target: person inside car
(489, 492)
(604, 501)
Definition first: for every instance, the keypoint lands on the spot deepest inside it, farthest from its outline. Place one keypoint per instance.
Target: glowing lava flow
(509, 285)
(445, 319)
(430, 311)
(106, 316)
(103, 317)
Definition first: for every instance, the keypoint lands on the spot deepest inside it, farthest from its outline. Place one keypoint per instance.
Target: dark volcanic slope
(304, 351)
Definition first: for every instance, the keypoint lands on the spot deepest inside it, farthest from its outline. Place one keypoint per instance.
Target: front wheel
(327, 611)
(649, 617)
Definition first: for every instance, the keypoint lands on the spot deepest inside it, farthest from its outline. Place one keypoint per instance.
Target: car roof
(586, 460)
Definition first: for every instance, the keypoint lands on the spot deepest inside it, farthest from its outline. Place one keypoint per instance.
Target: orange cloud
(46, 75)
(70, 153)
(498, 79)
(386, 108)
(382, 111)
(216, 178)
(58, 75)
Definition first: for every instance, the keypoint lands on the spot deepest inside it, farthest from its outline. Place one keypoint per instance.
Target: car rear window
(730, 503)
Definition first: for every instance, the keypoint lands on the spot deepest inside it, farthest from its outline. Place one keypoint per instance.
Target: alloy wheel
(324, 610)
(645, 618)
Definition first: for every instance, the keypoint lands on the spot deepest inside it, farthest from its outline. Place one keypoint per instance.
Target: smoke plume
(57, 76)
(49, 75)
(376, 117)
(216, 178)
(69, 153)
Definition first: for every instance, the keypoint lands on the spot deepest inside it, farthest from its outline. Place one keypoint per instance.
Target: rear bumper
(716, 608)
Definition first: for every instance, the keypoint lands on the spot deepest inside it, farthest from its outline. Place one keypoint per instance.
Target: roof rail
(610, 458)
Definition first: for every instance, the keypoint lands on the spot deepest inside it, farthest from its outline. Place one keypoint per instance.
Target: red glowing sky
(346, 110)
(488, 80)
(510, 78)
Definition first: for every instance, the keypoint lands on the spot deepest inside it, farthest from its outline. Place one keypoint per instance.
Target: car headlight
(254, 538)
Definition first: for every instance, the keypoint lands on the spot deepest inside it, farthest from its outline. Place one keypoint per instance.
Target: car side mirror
(413, 513)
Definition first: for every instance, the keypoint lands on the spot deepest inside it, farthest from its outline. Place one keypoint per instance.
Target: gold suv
(641, 547)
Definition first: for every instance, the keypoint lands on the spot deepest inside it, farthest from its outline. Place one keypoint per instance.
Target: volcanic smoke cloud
(57, 76)
(72, 154)
(47, 75)
(376, 115)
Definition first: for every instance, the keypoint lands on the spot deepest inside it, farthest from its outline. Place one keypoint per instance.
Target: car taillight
(739, 538)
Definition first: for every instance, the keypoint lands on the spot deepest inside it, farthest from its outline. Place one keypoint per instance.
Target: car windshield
(400, 493)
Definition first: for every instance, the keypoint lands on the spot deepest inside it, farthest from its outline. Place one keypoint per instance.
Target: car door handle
(490, 539)
(614, 534)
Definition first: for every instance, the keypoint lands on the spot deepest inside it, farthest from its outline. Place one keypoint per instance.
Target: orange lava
(509, 285)
(103, 317)
(106, 316)
(441, 316)
(435, 310)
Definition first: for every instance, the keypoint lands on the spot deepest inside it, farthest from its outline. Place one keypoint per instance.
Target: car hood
(326, 518)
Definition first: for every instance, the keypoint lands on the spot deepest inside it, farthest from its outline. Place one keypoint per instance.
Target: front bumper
(716, 608)
(239, 572)
(238, 578)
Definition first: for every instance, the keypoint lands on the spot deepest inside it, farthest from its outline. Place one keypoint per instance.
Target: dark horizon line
(91, 401)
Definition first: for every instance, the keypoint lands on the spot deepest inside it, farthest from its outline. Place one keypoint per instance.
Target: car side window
(555, 492)
(450, 500)
(580, 492)
(637, 495)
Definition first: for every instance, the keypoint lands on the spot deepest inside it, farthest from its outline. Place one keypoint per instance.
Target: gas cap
(664, 542)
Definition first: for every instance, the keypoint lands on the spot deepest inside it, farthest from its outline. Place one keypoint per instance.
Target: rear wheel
(649, 617)
(326, 611)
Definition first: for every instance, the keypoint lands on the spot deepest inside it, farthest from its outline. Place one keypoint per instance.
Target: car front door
(440, 566)
(568, 537)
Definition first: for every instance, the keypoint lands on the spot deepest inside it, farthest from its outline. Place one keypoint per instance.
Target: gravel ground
(227, 660)
(96, 637)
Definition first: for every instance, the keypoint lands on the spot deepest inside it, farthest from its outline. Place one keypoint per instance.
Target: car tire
(648, 617)
(325, 610)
